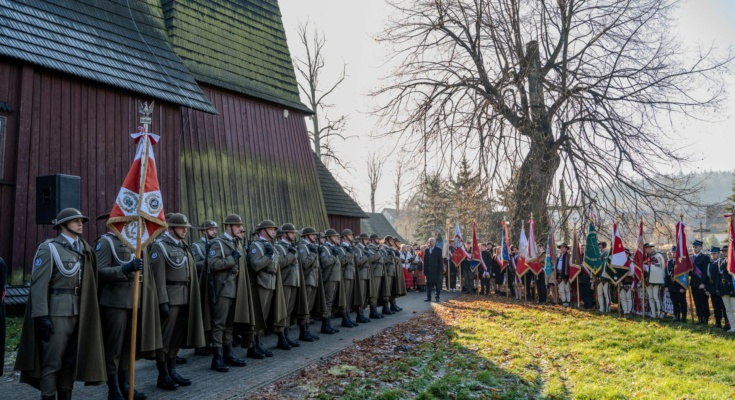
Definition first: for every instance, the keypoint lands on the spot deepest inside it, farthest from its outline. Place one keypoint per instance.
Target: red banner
(682, 261)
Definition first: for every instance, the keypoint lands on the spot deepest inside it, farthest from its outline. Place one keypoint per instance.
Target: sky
(350, 26)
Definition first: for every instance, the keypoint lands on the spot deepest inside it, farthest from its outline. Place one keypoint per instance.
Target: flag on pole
(504, 255)
(639, 257)
(532, 257)
(731, 246)
(459, 252)
(682, 261)
(476, 255)
(445, 247)
(521, 266)
(592, 257)
(575, 266)
(139, 198)
(550, 252)
(619, 266)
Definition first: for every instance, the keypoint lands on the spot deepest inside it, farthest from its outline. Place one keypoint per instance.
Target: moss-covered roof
(115, 42)
(239, 45)
(378, 224)
(336, 200)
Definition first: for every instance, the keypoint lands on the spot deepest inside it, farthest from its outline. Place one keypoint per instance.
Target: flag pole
(643, 285)
(138, 250)
(689, 286)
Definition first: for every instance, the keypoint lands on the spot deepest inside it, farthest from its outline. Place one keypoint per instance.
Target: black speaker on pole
(55, 193)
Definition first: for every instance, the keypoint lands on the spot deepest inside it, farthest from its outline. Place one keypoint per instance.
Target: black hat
(68, 214)
(697, 243)
(562, 245)
(725, 247)
(602, 244)
(649, 245)
(673, 248)
(714, 249)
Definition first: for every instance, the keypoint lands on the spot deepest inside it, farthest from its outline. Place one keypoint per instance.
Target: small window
(2, 147)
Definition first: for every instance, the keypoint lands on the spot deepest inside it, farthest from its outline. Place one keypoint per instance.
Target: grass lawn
(472, 348)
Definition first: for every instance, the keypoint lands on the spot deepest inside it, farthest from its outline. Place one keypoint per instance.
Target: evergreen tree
(432, 208)
(731, 207)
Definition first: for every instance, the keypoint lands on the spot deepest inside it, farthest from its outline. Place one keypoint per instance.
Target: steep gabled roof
(239, 45)
(104, 41)
(336, 200)
(378, 224)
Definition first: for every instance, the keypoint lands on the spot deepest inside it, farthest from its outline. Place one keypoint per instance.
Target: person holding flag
(563, 272)
(698, 278)
(549, 269)
(654, 269)
(677, 293)
(477, 264)
(603, 282)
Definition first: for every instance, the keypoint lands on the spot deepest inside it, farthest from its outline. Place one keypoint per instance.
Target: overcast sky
(350, 26)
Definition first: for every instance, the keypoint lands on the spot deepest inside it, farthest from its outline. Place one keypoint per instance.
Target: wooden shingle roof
(239, 45)
(336, 200)
(378, 224)
(115, 42)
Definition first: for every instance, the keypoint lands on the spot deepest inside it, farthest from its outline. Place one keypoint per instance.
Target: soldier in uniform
(263, 260)
(363, 259)
(373, 264)
(677, 293)
(349, 275)
(698, 278)
(380, 277)
(603, 282)
(200, 249)
(713, 281)
(563, 271)
(391, 262)
(62, 341)
(331, 275)
(179, 300)
(654, 269)
(309, 260)
(292, 277)
(726, 288)
(229, 297)
(399, 282)
(117, 266)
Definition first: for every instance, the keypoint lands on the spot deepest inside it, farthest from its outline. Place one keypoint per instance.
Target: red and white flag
(534, 264)
(639, 258)
(521, 266)
(139, 198)
(619, 258)
(731, 247)
(460, 253)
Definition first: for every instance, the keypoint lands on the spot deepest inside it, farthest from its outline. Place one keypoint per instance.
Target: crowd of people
(224, 290)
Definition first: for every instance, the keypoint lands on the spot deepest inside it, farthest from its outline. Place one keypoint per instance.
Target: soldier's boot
(180, 360)
(165, 381)
(305, 335)
(124, 378)
(113, 388)
(374, 312)
(202, 351)
(52, 397)
(231, 359)
(282, 342)
(387, 310)
(360, 317)
(63, 395)
(218, 364)
(255, 353)
(180, 380)
(718, 323)
(326, 328)
(346, 321)
(352, 321)
(292, 342)
(261, 346)
(394, 306)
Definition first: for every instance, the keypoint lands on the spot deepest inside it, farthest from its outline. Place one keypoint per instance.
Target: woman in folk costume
(406, 256)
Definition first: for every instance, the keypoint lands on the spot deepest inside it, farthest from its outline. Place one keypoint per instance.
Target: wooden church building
(227, 108)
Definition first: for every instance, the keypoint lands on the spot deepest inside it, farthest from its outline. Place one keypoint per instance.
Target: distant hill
(717, 185)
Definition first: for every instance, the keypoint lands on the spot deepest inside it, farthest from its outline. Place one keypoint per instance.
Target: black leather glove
(268, 250)
(136, 264)
(292, 250)
(312, 249)
(335, 252)
(236, 255)
(163, 310)
(44, 328)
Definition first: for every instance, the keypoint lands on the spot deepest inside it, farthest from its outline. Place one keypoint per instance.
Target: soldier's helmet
(288, 228)
(266, 223)
(208, 224)
(103, 217)
(66, 215)
(279, 232)
(308, 231)
(363, 236)
(330, 232)
(346, 232)
(178, 220)
(319, 235)
(387, 238)
(168, 215)
(374, 236)
(233, 219)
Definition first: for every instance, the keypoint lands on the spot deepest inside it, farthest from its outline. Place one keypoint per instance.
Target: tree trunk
(317, 138)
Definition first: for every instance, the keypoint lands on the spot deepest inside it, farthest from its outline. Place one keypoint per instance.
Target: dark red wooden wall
(64, 125)
(341, 222)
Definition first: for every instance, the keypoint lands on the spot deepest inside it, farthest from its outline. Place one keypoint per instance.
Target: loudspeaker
(55, 193)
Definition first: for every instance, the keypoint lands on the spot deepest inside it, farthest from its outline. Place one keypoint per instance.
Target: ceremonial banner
(619, 266)
(682, 261)
(139, 198)
(504, 255)
(459, 253)
(592, 252)
(476, 254)
(521, 267)
(445, 247)
(550, 252)
(575, 266)
(731, 249)
(532, 256)
(639, 258)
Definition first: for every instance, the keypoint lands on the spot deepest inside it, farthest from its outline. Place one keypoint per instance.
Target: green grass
(490, 349)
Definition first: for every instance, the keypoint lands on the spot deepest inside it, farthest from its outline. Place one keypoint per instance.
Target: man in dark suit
(433, 267)
(698, 278)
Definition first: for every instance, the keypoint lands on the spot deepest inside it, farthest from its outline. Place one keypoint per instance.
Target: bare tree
(586, 89)
(398, 188)
(374, 173)
(310, 69)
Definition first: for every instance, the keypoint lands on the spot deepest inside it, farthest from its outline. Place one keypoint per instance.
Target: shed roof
(119, 43)
(239, 45)
(378, 224)
(336, 200)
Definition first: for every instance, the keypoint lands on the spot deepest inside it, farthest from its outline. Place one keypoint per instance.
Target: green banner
(592, 252)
